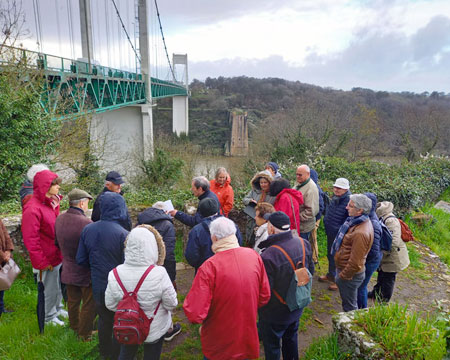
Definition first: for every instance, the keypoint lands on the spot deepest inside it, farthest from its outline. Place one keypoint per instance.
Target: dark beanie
(208, 207)
(280, 220)
(273, 165)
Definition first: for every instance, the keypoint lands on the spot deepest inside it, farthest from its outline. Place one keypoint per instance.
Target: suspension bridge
(107, 58)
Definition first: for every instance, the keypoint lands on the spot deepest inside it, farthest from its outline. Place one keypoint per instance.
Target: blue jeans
(271, 334)
(348, 289)
(371, 266)
(331, 265)
(152, 351)
(2, 304)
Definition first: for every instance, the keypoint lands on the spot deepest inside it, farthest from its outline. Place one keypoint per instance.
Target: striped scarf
(349, 222)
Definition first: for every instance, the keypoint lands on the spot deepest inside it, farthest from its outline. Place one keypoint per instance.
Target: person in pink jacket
(225, 296)
(38, 231)
(288, 201)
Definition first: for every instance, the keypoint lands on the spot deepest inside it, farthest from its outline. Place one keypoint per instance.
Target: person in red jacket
(288, 201)
(38, 231)
(222, 188)
(226, 293)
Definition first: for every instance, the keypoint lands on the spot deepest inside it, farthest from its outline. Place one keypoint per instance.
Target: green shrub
(402, 333)
(162, 169)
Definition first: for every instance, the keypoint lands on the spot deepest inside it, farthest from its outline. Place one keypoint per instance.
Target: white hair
(222, 227)
(362, 202)
(159, 205)
(306, 167)
(32, 171)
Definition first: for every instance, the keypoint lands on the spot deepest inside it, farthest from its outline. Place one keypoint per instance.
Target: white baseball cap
(342, 183)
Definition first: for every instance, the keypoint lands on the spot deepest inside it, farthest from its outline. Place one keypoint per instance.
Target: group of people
(233, 292)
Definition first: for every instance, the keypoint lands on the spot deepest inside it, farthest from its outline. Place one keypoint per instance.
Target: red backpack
(131, 325)
(407, 234)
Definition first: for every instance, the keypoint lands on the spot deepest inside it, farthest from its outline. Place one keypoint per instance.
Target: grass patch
(179, 248)
(402, 333)
(435, 233)
(19, 330)
(190, 349)
(324, 348)
(414, 257)
(305, 319)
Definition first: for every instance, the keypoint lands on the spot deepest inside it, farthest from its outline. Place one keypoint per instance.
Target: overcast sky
(393, 45)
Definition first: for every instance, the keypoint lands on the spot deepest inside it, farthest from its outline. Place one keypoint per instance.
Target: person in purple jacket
(68, 228)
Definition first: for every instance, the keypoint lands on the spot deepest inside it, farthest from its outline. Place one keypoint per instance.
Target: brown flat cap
(78, 194)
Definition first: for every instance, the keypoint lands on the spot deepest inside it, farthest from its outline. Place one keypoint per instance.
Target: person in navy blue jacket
(374, 256)
(335, 216)
(200, 189)
(276, 322)
(101, 249)
(198, 248)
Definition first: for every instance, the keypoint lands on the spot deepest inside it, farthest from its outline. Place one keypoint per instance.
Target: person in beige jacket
(393, 261)
(310, 206)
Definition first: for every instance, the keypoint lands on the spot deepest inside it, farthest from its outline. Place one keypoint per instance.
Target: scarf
(349, 222)
(227, 243)
(298, 186)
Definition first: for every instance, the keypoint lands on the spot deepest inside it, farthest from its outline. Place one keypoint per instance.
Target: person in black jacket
(200, 189)
(335, 216)
(113, 183)
(276, 322)
(157, 217)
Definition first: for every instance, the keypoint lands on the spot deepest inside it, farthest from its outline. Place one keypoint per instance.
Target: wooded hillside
(355, 123)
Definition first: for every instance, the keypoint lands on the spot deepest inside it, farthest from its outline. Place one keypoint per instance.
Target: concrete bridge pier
(180, 115)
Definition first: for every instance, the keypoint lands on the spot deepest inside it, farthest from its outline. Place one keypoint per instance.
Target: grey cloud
(429, 40)
(376, 61)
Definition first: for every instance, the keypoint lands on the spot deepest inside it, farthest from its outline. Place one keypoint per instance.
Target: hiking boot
(333, 287)
(326, 278)
(176, 329)
(371, 295)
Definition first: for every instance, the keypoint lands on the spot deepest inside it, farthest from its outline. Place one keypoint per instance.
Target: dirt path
(418, 288)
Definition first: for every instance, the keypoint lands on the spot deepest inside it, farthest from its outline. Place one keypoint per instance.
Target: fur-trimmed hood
(144, 246)
(262, 174)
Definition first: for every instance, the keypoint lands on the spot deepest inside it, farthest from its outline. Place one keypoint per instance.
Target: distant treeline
(355, 123)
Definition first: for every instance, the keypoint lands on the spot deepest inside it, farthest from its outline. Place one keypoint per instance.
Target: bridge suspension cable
(163, 39)
(125, 30)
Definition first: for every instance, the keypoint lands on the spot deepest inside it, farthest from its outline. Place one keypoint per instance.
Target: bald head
(303, 173)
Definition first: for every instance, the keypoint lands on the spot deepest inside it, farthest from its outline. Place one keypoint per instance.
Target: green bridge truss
(73, 86)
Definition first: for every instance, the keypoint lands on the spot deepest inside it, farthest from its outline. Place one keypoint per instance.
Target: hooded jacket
(255, 193)
(198, 248)
(283, 203)
(397, 259)
(315, 178)
(336, 214)
(38, 224)
(97, 212)
(375, 253)
(141, 251)
(164, 224)
(224, 193)
(225, 295)
(192, 220)
(102, 243)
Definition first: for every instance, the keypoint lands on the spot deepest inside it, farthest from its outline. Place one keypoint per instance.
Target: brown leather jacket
(5, 242)
(351, 257)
